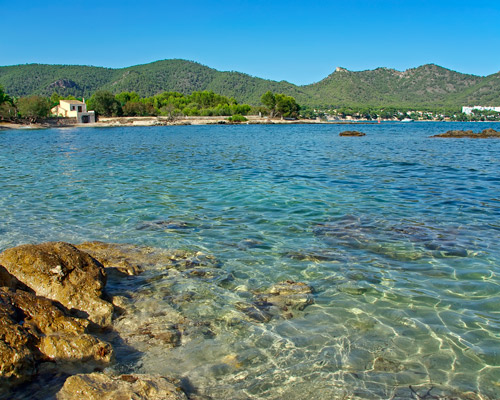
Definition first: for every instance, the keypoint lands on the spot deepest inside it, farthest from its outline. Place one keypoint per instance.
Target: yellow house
(74, 109)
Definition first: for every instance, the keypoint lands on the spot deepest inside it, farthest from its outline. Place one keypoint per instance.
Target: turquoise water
(397, 233)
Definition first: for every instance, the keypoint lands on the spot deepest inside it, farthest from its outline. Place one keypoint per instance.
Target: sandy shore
(162, 121)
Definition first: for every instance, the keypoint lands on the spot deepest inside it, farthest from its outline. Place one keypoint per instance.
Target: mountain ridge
(428, 85)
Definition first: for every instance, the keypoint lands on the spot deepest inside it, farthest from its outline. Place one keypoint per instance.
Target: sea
(396, 233)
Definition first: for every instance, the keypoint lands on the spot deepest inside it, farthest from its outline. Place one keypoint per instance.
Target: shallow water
(396, 232)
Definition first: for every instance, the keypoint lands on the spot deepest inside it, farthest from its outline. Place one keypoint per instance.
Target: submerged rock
(61, 272)
(163, 225)
(352, 133)
(167, 330)
(280, 300)
(405, 241)
(289, 295)
(98, 386)
(320, 255)
(131, 260)
(485, 134)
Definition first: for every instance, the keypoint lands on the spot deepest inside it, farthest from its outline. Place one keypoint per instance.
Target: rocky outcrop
(98, 386)
(352, 133)
(33, 329)
(17, 361)
(61, 272)
(485, 134)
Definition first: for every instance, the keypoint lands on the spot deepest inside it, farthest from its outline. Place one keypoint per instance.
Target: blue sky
(298, 41)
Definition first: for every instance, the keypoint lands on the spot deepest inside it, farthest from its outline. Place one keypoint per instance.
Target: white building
(74, 109)
(468, 110)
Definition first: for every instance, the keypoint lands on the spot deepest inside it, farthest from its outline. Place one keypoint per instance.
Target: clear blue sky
(301, 42)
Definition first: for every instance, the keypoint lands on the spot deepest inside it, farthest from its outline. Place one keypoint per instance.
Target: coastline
(108, 122)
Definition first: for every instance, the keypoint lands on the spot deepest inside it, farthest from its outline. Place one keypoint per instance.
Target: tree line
(169, 104)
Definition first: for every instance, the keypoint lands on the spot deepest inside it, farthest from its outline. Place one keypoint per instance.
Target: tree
(104, 103)
(33, 108)
(133, 108)
(286, 106)
(269, 100)
(125, 97)
(54, 99)
(4, 97)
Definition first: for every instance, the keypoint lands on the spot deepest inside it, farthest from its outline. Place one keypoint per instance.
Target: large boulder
(61, 272)
(98, 386)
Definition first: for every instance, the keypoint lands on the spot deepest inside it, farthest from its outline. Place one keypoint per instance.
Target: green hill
(425, 86)
(428, 85)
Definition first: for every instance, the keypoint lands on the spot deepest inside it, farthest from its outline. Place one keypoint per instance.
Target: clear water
(397, 233)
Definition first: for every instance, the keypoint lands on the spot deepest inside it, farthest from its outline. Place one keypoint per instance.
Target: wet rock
(124, 258)
(59, 271)
(98, 386)
(10, 281)
(86, 348)
(43, 332)
(17, 361)
(352, 133)
(485, 134)
(41, 316)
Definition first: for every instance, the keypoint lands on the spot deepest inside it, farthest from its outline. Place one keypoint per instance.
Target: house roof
(71, 101)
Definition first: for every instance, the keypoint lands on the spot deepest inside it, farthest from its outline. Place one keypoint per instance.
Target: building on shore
(74, 109)
(468, 110)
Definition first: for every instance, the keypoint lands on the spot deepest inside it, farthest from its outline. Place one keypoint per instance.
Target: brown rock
(40, 315)
(352, 133)
(98, 386)
(10, 281)
(61, 272)
(76, 348)
(34, 329)
(17, 361)
(485, 134)
(126, 259)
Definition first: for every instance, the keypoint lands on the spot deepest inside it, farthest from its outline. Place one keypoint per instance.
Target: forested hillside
(425, 86)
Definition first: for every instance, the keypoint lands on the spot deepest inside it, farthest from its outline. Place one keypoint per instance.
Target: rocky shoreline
(56, 316)
(485, 134)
